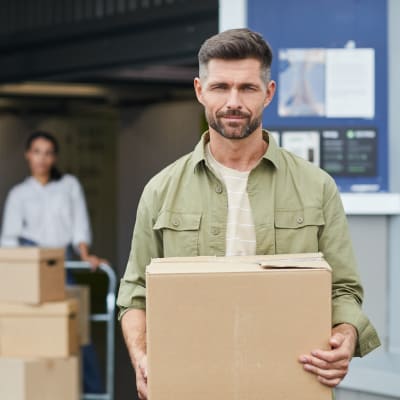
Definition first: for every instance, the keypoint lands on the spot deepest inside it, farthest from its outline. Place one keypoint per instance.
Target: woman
(48, 208)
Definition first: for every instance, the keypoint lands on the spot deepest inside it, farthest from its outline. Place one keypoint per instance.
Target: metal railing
(109, 318)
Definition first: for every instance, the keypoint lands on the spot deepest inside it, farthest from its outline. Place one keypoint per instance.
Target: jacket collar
(271, 155)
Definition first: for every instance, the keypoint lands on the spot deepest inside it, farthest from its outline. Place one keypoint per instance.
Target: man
(238, 193)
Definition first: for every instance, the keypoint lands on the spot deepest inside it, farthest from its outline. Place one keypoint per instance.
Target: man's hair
(236, 44)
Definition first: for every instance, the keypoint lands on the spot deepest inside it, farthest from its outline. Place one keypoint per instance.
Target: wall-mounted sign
(330, 64)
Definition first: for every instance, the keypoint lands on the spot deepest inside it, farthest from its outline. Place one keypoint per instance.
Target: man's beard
(239, 132)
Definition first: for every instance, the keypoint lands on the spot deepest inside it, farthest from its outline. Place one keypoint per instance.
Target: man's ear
(198, 89)
(269, 95)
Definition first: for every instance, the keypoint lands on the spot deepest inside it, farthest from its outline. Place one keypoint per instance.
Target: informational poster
(331, 83)
(342, 152)
(350, 83)
(349, 152)
(305, 144)
(301, 87)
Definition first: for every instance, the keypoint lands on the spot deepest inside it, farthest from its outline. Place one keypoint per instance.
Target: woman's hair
(55, 174)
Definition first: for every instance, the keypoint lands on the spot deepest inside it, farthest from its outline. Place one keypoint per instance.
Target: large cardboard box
(46, 330)
(31, 275)
(234, 327)
(39, 379)
(82, 294)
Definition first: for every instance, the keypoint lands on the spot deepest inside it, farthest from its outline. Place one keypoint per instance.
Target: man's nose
(233, 101)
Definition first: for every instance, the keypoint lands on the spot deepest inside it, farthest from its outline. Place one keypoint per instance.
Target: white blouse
(51, 215)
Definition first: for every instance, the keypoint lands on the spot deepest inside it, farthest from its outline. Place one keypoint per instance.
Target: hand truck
(109, 318)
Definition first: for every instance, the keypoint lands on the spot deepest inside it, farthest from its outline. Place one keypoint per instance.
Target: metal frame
(109, 319)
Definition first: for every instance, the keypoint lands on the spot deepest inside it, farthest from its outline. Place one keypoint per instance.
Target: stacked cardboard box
(82, 294)
(38, 327)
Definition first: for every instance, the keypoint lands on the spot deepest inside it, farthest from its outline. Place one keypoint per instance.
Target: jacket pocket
(180, 232)
(297, 231)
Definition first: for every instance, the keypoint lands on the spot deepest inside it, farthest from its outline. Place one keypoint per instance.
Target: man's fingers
(141, 378)
(331, 356)
(331, 366)
(329, 382)
(141, 387)
(326, 373)
(323, 364)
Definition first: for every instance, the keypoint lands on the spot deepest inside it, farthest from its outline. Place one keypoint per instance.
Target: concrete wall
(150, 138)
(12, 167)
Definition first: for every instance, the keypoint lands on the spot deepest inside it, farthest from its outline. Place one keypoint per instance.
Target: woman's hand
(92, 259)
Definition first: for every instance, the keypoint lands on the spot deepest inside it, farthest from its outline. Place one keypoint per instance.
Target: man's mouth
(235, 116)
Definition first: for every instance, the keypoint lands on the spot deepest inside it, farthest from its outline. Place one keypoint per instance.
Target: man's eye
(218, 87)
(249, 88)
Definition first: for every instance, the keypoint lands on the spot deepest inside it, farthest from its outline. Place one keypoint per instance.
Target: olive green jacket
(296, 209)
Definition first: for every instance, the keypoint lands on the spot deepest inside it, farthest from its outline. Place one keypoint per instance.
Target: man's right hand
(141, 377)
(133, 325)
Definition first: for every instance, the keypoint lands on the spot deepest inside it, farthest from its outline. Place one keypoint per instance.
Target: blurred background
(112, 79)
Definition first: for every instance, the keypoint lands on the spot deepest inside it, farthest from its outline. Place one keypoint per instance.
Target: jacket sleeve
(146, 244)
(347, 291)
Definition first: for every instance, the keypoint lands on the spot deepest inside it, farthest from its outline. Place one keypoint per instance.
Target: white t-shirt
(51, 215)
(240, 230)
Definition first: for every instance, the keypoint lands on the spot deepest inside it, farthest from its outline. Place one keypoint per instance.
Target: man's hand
(133, 325)
(331, 366)
(141, 377)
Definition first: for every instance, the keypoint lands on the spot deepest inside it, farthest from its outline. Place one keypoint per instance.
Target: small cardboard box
(46, 330)
(31, 275)
(39, 379)
(234, 327)
(82, 294)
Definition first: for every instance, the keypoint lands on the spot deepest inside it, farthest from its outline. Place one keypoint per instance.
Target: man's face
(234, 96)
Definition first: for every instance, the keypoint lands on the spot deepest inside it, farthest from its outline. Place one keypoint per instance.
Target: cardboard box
(46, 330)
(39, 379)
(234, 327)
(82, 294)
(31, 275)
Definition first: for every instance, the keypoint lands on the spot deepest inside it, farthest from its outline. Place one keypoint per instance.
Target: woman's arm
(85, 255)
(12, 220)
(81, 227)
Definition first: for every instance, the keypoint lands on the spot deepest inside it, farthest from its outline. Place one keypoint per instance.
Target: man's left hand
(331, 366)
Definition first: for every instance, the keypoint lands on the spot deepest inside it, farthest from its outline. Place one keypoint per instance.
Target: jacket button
(300, 220)
(175, 222)
(218, 189)
(215, 231)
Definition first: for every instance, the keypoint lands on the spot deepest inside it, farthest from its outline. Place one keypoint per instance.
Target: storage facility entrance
(113, 80)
